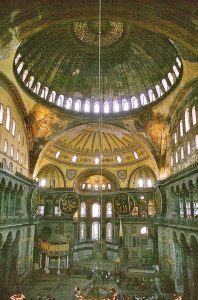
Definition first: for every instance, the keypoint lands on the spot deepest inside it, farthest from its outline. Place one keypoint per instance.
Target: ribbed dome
(86, 142)
(61, 65)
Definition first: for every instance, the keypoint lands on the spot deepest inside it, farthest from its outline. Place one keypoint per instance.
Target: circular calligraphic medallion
(123, 204)
(158, 202)
(35, 201)
(71, 174)
(122, 174)
(69, 203)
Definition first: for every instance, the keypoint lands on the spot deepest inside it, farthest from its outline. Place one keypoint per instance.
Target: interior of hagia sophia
(99, 149)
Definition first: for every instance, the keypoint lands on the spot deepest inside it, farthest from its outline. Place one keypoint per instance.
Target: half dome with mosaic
(59, 67)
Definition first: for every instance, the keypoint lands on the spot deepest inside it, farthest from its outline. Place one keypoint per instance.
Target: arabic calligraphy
(69, 203)
(123, 203)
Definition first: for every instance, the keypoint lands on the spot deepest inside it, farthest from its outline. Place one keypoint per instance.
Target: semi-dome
(87, 145)
(60, 66)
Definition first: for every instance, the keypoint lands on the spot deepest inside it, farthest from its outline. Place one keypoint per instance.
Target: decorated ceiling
(50, 52)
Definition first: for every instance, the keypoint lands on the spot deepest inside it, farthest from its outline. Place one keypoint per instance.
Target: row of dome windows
(187, 121)
(117, 106)
(8, 122)
(96, 187)
(19, 158)
(96, 159)
(182, 152)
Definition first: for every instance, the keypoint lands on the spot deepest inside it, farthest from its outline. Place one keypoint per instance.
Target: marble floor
(61, 287)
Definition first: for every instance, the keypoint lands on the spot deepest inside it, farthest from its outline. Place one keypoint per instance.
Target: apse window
(135, 155)
(57, 154)
(95, 231)
(109, 186)
(144, 230)
(119, 160)
(89, 186)
(43, 182)
(74, 158)
(95, 210)
(109, 210)
(149, 183)
(140, 183)
(83, 186)
(103, 187)
(83, 210)
(96, 160)
(96, 187)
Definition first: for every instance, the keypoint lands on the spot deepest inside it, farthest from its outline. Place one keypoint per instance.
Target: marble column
(59, 260)
(194, 283)
(2, 192)
(67, 261)
(185, 271)
(40, 260)
(178, 269)
(48, 265)
(46, 260)
(7, 263)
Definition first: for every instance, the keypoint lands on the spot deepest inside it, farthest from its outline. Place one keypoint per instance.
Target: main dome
(60, 66)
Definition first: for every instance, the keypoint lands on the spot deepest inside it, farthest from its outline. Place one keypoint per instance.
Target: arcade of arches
(73, 150)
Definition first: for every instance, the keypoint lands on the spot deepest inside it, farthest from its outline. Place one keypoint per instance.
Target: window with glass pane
(95, 231)
(95, 210)
(109, 232)
(8, 116)
(109, 210)
(83, 210)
